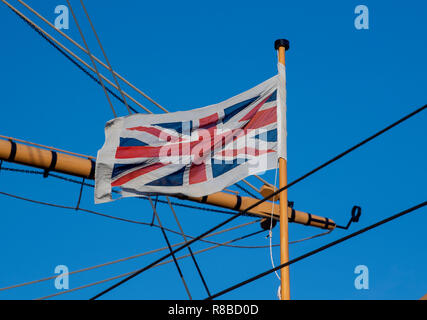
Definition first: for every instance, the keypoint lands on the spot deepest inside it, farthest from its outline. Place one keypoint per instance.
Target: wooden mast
(78, 166)
(282, 45)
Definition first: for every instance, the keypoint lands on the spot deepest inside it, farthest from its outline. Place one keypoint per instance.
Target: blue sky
(343, 85)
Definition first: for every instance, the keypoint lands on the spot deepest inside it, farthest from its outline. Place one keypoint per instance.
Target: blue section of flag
(222, 167)
(177, 126)
(273, 97)
(230, 112)
(269, 136)
(119, 168)
(131, 142)
(174, 179)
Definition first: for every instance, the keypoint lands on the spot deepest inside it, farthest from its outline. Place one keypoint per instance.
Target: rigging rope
(98, 60)
(181, 275)
(124, 259)
(41, 32)
(105, 56)
(160, 264)
(92, 60)
(122, 219)
(35, 172)
(189, 248)
(238, 185)
(80, 194)
(251, 186)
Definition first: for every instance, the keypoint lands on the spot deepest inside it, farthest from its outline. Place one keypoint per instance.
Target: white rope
(270, 233)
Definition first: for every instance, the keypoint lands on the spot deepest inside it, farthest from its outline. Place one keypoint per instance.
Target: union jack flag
(196, 152)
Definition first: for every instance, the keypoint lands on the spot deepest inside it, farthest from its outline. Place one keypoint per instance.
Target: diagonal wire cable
(91, 58)
(71, 56)
(94, 57)
(80, 194)
(160, 264)
(59, 177)
(189, 248)
(127, 220)
(181, 275)
(301, 178)
(251, 186)
(225, 244)
(322, 248)
(238, 185)
(105, 56)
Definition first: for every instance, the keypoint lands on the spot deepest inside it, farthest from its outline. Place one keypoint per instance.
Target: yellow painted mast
(281, 46)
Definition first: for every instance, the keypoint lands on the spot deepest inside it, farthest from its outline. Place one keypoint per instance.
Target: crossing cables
(57, 45)
(322, 248)
(181, 275)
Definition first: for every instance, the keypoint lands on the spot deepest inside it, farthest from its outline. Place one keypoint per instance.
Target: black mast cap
(281, 43)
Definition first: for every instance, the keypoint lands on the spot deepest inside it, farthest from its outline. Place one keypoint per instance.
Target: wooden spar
(281, 46)
(41, 158)
(230, 201)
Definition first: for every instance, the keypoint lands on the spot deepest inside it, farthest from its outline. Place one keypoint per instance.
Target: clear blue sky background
(343, 85)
